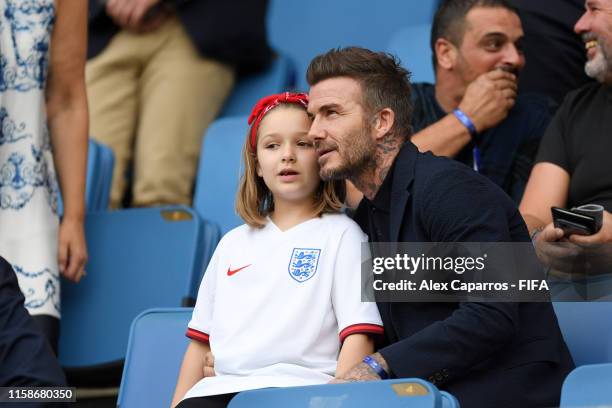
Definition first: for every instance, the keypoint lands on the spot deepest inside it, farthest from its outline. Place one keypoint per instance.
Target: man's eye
(331, 112)
(492, 45)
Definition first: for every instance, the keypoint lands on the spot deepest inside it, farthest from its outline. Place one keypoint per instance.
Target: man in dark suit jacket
(26, 358)
(486, 354)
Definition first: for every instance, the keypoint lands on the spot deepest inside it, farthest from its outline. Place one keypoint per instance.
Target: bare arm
(548, 186)
(446, 137)
(68, 124)
(354, 349)
(192, 369)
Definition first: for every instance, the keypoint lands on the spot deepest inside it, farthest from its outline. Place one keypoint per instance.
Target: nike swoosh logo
(230, 272)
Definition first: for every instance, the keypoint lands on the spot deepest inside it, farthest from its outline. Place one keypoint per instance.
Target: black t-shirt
(579, 140)
(379, 209)
(555, 54)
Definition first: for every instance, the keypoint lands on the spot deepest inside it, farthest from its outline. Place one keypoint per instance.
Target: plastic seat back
(278, 77)
(588, 386)
(155, 351)
(219, 172)
(587, 330)
(138, 259)
(405, 393)
(304, 29)
(411, 46)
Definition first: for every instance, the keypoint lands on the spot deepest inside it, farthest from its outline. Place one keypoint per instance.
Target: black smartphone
(572, 222)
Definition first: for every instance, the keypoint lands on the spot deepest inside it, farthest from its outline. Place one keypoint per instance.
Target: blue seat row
(149, 376)
(301, 30)
(139, 259)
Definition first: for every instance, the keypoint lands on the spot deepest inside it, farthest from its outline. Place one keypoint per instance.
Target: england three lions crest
(303, 263)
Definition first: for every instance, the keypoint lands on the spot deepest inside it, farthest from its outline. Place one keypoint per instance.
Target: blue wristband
(463, 118)
(376, 367)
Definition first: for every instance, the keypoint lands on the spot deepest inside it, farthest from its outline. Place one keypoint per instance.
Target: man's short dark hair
(385, 84)
(449, 20)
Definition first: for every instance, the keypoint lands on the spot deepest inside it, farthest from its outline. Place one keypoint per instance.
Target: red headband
(268, 103)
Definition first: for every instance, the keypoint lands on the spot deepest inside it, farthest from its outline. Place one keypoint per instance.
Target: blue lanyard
(476, 159)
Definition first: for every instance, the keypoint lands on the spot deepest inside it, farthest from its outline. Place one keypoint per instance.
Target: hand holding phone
(572, 222)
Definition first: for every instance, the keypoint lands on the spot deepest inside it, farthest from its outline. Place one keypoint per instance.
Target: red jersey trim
(368, 328)
(197, 335)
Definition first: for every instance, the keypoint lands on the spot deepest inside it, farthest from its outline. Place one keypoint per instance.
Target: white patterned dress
(28, 185)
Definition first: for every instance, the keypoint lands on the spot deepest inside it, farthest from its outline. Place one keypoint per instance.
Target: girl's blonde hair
(254, 201)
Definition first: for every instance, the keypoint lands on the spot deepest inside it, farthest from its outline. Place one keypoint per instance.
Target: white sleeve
(353, 315)
(201, 320)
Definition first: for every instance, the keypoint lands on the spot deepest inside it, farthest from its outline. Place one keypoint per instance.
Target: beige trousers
(151, 97)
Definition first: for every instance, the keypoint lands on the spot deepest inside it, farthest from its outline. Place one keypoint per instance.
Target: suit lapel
(403, 175)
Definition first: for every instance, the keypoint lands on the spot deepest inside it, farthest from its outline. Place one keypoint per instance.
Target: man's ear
(385, 119)
(446, 54)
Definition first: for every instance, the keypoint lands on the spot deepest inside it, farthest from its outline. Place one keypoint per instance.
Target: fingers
(505, 85)
(121, 11)
(586, 239)
(209, 371)
(62, 256)
(137, 15)
(550, 234)
(498, 74)
(561, 250)
(72, 250)
(509, 96)
(209, 359)
(77, 258)
(209, 364)
(132, 14)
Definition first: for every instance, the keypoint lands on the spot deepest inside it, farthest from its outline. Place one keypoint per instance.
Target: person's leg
(50, 327)
(26, 359)
(213, 401)
(181, 93)
(112, 80)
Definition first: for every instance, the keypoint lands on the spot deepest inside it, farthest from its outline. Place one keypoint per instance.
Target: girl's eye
(304, 143)
(271, 145)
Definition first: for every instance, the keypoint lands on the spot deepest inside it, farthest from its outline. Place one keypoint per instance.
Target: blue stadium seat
(219, 172)
(138, 259)
(279, 77)
(210, 235)
(587, 330)
(149, 376)
(411, 46)
(588, 386)
(100, 162)
(449, 400)
(155, 351)
(102, 186)
(304, 29)
(405, 393)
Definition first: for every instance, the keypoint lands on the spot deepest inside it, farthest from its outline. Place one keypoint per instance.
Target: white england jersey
(275, 305)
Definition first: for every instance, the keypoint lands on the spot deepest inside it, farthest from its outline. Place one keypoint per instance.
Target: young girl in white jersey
(279, 304)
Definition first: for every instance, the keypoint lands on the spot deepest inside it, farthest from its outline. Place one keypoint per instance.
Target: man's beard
(600, 67)
(357, 155)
